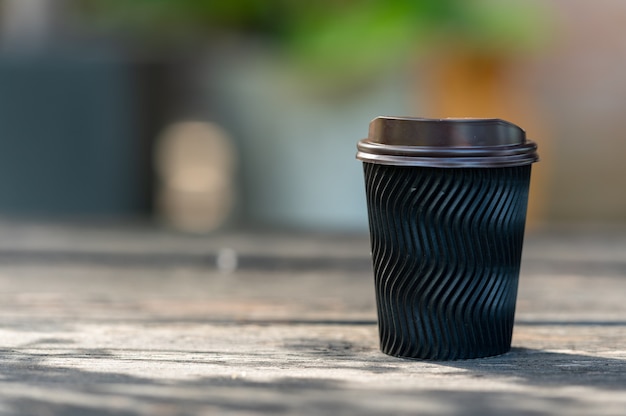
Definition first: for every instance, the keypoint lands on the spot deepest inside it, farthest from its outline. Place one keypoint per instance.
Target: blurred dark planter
(76, 133)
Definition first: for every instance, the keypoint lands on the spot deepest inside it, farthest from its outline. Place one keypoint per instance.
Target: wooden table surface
(113, 320)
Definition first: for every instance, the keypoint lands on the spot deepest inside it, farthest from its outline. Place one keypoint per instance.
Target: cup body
(447, 205)
(446, 248)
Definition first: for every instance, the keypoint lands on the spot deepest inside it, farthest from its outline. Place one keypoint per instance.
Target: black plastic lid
(446, 143)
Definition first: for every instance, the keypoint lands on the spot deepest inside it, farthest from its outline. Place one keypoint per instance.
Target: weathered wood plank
(102, 338)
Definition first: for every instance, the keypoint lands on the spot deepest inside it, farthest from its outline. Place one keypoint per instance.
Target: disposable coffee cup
(446, 202)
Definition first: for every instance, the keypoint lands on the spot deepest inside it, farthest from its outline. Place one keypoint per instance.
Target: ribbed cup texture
(446, 248)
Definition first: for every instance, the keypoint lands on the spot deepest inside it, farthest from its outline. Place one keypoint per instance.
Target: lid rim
(460, 162)
(368, 146)
(424, 156)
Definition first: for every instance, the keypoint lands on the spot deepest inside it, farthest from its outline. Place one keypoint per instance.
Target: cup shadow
(546, 368)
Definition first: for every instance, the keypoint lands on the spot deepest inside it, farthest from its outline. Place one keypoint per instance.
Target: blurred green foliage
(338, 38)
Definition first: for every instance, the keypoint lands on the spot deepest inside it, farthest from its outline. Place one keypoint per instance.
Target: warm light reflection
(195, 164)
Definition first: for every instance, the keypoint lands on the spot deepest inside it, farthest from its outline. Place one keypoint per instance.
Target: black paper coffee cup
(447, 208)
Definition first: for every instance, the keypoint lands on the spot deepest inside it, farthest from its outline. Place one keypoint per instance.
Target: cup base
(479, 357)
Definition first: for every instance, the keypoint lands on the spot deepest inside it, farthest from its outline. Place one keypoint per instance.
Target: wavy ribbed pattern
(446, 247)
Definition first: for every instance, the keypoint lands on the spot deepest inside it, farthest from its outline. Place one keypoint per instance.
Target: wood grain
(94, 335)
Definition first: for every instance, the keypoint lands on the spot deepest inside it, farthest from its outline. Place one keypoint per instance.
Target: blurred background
(206, 114)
